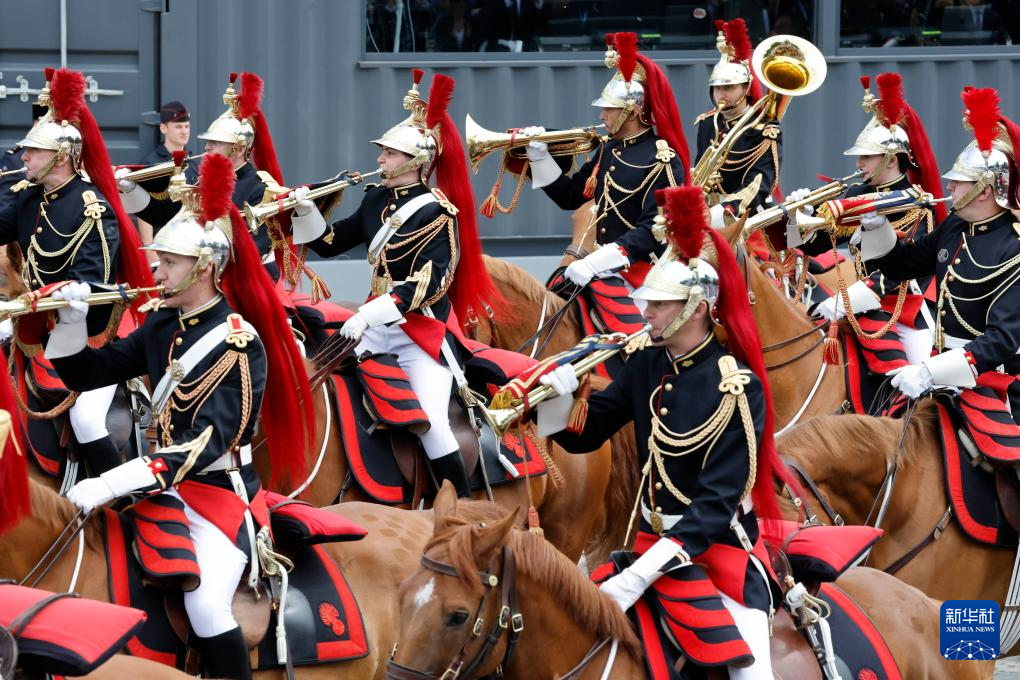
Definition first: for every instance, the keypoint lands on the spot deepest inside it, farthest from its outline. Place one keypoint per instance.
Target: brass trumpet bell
(789, 65)
(482, 142)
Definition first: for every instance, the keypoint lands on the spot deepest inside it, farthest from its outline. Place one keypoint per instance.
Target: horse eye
(457, 618)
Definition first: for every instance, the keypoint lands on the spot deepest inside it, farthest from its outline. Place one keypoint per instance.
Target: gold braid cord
(72, 243)
(423, 275)
(708, 433)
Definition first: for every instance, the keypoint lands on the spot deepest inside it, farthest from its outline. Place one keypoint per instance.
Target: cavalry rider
(73, 228)
(893, 154)
(426, 261)
(242, 135)
(974, 256)
(702, 458)
(216, 346)
(732, 87)
(646, 151)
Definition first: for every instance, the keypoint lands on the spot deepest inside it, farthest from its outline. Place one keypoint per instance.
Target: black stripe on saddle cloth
(370, 452)
(611, 305)
(681, 613)
(859, 646)
(390, 398)
(977, 433)
(867, 361)
(324, 622)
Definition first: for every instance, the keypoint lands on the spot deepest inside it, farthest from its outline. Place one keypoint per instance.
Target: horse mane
(862, 437)
(50, 507)
(538, 559)
(511, 277)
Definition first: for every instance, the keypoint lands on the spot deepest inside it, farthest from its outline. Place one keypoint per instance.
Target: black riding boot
(100, 455)
(451, 466)
(225, 655)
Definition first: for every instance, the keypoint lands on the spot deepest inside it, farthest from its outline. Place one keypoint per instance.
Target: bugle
(843, 216)
(164, 169)
(16, 171)
(777, 213)
(501, 419)
(270, 207)
(482, 142)
(24, 304)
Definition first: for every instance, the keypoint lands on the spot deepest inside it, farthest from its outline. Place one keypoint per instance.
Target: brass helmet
(412, 135)
(734, 45)
(232, 127)
(882, 136)
(202, 227)
(625, 90)
(54, 133)
(988, 161)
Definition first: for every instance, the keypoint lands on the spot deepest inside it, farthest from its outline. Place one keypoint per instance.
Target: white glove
(872, 221)
(629, 585)
(304, 206)
(354, 327)
(536, 150)
(862, 299)
(562, 379)
(913, 380)
(6, 330)
(796, 196)
(625, 588)
(76, 310)
(89, 494)
(125, 186)
(607, 258)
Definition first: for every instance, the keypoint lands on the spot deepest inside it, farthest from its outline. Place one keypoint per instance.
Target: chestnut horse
(374, 567)
(565, 617)
(847, 458)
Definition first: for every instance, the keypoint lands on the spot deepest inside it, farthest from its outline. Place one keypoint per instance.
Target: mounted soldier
(216, 347)
(68, 221)
(425, 254)
(707, 463)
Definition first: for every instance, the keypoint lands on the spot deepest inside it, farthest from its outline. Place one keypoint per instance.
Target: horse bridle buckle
(517, 622)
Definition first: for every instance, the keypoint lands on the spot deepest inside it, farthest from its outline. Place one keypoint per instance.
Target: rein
(60, 545)
(508, 621)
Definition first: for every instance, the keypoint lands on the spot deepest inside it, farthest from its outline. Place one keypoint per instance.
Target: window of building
(916, 23)
(570, 25)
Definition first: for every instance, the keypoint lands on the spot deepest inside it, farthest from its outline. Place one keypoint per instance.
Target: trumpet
(164, 169)
(16, 171)
(777, 213)
(501, 419)
(842, 216)
(272, 206)
(482, 142)
(23, 304)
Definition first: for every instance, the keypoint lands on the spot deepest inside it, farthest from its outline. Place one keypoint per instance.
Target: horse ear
(445, 504)
(491, 537)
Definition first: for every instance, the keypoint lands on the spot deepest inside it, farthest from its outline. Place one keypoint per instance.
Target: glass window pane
(915, 23)
(569, 25)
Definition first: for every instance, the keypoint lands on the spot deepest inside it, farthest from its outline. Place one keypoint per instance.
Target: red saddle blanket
(858, 643)
(68, 635)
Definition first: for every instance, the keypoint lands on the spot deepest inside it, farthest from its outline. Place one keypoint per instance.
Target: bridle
(509, 621)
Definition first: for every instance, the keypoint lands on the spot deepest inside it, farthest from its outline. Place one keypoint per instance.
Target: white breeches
(88, 415)
(431, 381)
(222, 564)
(916, 343)
(753, 625)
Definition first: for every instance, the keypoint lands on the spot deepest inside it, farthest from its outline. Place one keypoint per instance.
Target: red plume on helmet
(626, 49)
(216, 180)
(686, 219)
(14, 492)
(67, 102)
(896, 111)
(471, 286)
(738, 38)
(981, 109)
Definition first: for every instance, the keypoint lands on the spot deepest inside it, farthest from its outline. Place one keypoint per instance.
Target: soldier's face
(173, 269)
(36, 159)
(868, 165)
(391, 159)
(176, 133)
(727, 96)
(660, 313)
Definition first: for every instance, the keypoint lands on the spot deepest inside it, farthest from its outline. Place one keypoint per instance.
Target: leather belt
(227, 461)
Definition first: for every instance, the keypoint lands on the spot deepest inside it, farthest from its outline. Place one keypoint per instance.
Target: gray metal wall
(325, 97)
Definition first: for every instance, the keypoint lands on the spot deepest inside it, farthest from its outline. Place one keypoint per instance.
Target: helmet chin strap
(204, 260)
(60, 155)
(887, 160)
(620, 119)
(986, 181)
(694, 300)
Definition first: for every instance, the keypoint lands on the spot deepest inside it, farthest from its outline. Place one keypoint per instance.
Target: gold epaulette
(770, 130)
(237, 334)
(444, 201)
(20, 186)
(705, 116)
(734, 378)
(372, 185)
(663, 153)
(94, 207)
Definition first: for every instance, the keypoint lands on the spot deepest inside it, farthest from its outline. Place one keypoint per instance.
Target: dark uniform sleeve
(608, 411)
(909, 259)
(722, 480)
(121, 360)
(96, 259)
(9, 222)
(431, 273)
(222, 415)
(1001, 338)
(639, 241)
(568, 192)
(342, 235)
